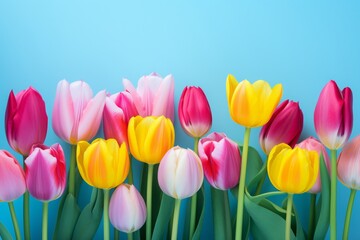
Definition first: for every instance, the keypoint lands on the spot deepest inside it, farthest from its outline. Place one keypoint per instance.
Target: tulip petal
(163, 103)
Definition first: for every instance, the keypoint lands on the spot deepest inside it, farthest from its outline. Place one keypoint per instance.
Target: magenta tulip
(154, 96)
(26, 121)
(348, 164)
(45, 172)
(12, 178)
(180, 173)
(333, 115)
(127, 210)
(77, 114)
(284, 126)
(221, 160)
(194, 112)
(311, 143)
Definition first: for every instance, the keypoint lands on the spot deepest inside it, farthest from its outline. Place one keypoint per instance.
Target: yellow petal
(80, 149)
(271, 102)
(132, 137)
(231, 84)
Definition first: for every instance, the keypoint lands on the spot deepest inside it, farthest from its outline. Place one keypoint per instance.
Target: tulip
(12, 178)
(46, 172)
(194, 112)
(127, 210)
(125, 101)
(77, 114)
(251, 105)
(221, 159)
(25, 120)
(150, 138)
(103, 163)
(284, 126)
(154, 96)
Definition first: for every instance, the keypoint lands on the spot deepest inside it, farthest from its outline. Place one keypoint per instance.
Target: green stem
(312, 216)
(149, 200)
(130, 236)
(116, 234)
(348, 214)
(333, 195)
(288, 216)
(106, 214)
(14, 220)
(193, 199)
(240, 206)
(175, 219)
(221, 214)
(72, 170)
(45, 220)
(26, 210)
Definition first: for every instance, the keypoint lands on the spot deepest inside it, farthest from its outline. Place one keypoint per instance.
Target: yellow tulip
(103, 163)
(292, 170)
(251, 105)
(150, 138)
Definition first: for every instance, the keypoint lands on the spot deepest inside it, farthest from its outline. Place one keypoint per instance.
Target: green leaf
(164, 217)
(323, 218)
(67, 219)
(90, 217)
(200, 212)
(221, 214)
(4, 233)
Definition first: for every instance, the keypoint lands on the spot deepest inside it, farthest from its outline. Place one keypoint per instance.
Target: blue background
(301, 44)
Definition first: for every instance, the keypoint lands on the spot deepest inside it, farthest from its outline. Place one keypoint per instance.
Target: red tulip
(333, 115)
(285, 126)
(194, 112)
(25, 120)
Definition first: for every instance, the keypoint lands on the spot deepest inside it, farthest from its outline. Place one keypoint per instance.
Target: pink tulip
(118, 110)
(284, 126)
(154, 96)
(76, 114)
(333, 115)
(45, 172)
(127, 210)
(180, 173)
(12, 178)
(348, 164)
(25, 120)
(194, 112)
(221, 160)
(313, 144)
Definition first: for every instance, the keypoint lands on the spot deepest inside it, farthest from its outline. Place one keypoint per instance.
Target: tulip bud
(180, 173)
(284, 126)
(333, 116)
(221, 160)
(194, 112)
(45, 172)
(348, 164)
(127, 210)
(313, 144)
(25, 120)
(12, 178)
(251, 105)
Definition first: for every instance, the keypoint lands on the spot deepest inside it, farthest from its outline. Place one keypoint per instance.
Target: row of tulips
(138, 124)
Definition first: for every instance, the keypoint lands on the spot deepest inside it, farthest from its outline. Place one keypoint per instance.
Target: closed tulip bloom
(251, 105)
(46, 172)
(150, 138)
(77, 114)
(284, 126)
(127, 210)
(26, 121)
(180, 173)
(154, 96)
(12, 178)
(333, 115)
(221, 159)
(348, 164)
(292, 171)
(103, 163)
(313, 144)
(194, 112)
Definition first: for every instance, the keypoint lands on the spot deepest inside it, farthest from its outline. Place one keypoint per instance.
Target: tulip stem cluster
(14, 220)
(45, 216)
(240, 206)
(106, 214)
(149, 200)
(176, 219)
(348, 214)
(72, 170)
(333, 195)
(288, 216)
